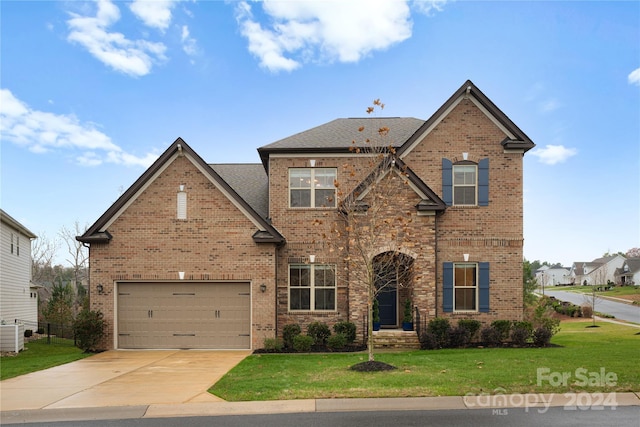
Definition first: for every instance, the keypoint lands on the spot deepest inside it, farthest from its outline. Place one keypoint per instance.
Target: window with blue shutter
(462, 284)
(447, 182)
(483, 297)
(447, 287)
(465, 183)
(483, 182)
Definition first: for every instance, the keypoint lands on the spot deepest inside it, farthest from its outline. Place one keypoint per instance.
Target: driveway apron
(122, 378)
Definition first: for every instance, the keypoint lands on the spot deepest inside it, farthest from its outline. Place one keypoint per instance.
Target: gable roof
(10, 221)
(336, 136)
(516, 138)
(430, 202)
(98, 232)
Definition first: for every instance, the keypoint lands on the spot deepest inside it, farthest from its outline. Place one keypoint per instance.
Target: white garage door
(184, 315)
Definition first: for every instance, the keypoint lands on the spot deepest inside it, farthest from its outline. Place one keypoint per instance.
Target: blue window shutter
(447, 182)
(447, 287)
(483, 182)
(483, 298)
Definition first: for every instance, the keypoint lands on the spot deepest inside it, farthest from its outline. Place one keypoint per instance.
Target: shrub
(89, 329)
(28, 333)
(503, 327)
(459, 337)
(440, 328)
(302, 343)
(428, 341)
(348, 329)
(40, 330)
(273, 344)
(337, 341)
(543, 316)
(491, 336)
(289, 332)
(319, 332)
(521, 332)
(472, 326)
(587, 311)
(542, 337)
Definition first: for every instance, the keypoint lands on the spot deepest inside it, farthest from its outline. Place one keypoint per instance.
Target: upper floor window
(464, 184)
(12, 242)
(312, 287)
(312, 187)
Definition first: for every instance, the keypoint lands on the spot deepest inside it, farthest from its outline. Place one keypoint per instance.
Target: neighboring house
(600, 271)
(629, 273)
(18, 296)
(552, 276)
(198, 255)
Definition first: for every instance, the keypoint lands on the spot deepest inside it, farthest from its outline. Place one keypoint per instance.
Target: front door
(388, 306)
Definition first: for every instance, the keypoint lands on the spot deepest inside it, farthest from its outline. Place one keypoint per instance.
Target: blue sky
(92, 92)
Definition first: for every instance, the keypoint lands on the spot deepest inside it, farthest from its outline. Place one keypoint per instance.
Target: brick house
(198, 255)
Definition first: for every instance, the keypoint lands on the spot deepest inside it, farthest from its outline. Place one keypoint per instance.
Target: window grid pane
(312, 287)
(310, 187)
(464, 185)
(465, 287)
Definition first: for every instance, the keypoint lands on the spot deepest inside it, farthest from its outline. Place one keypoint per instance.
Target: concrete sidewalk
(538, 403)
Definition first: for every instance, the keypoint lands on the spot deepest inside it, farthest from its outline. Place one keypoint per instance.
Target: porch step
(395, 338)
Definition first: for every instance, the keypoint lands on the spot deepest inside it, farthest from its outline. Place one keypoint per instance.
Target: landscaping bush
(289, 332)
(337, 341)
(521, 333)
(40, 330)
(587, 311)
(319, 332)
(491, 336)
(459, 337)
(428, 341)
(472, 326)
(89, 329)
(273, 344)
(302, 343)
(441, 329)
(542, 337)
(503, 327)
(348, 329)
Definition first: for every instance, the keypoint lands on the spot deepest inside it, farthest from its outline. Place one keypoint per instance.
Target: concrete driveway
(122, 378)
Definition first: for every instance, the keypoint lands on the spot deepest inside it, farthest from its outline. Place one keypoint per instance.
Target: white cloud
(42, 132)
(553, 154)
(189, 44)
(132, 57)
(156, 13)
(634, 77)
(304, 31)
(428, 6)
(549, 105)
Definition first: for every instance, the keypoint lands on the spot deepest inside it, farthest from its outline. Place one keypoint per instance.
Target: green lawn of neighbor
(449, 372)
(39, 355)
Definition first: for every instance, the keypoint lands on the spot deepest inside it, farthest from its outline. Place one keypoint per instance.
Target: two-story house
(198, 255)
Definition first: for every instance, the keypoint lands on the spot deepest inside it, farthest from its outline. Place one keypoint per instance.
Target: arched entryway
(393, 272)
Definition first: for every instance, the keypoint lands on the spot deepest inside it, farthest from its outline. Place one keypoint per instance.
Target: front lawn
(450, 372)
(631, 293)
(38, 355)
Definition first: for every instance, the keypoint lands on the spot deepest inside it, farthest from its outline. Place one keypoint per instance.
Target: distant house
(199, 255)
(18, 296)
(552, 276)
(596, 272)
(629, 273)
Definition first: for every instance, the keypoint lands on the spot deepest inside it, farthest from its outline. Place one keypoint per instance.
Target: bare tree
(370, 233)
(599, 281)
(43, 252)
(78, 259)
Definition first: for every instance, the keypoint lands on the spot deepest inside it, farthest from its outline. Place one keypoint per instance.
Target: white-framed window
(465, 184)
(312, 287)
(465, 287)
(312, 187)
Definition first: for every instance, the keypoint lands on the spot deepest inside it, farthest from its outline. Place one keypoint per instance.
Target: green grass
(450, 372)
(613, 292)
(39, 355)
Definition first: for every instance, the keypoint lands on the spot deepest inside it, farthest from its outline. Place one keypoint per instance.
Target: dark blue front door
(388, 305)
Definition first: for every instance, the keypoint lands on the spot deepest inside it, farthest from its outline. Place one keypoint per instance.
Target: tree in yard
(633, 253)
(59, 308)
(43, 252)
(592, 299)
(78, 259)
(529, 284)
(371, 233)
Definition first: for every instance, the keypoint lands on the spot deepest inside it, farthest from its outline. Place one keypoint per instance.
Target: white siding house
(552, 276)
(18, 296)
(597, 272)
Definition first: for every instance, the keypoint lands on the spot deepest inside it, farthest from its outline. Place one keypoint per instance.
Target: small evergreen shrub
(542, 337)
(428, 341)
(348, 329)
(503, 327)
(337, 341)
(472, 326)
(40, 330)
(491, 336)
(319, 331)
(89, 329)
(459, 337)
(521, 333)
(440, 328)
(289, 332)
(273, 344)
(302, 343)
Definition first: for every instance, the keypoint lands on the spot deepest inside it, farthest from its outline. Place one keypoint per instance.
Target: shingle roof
(250, 181)
(337, 135)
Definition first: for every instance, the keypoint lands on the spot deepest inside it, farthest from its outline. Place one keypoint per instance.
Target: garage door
(184, 315)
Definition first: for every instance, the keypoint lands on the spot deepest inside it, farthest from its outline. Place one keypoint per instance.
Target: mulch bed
(372, 366)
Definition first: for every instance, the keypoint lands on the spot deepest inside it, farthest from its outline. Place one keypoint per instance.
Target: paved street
(622, 311)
